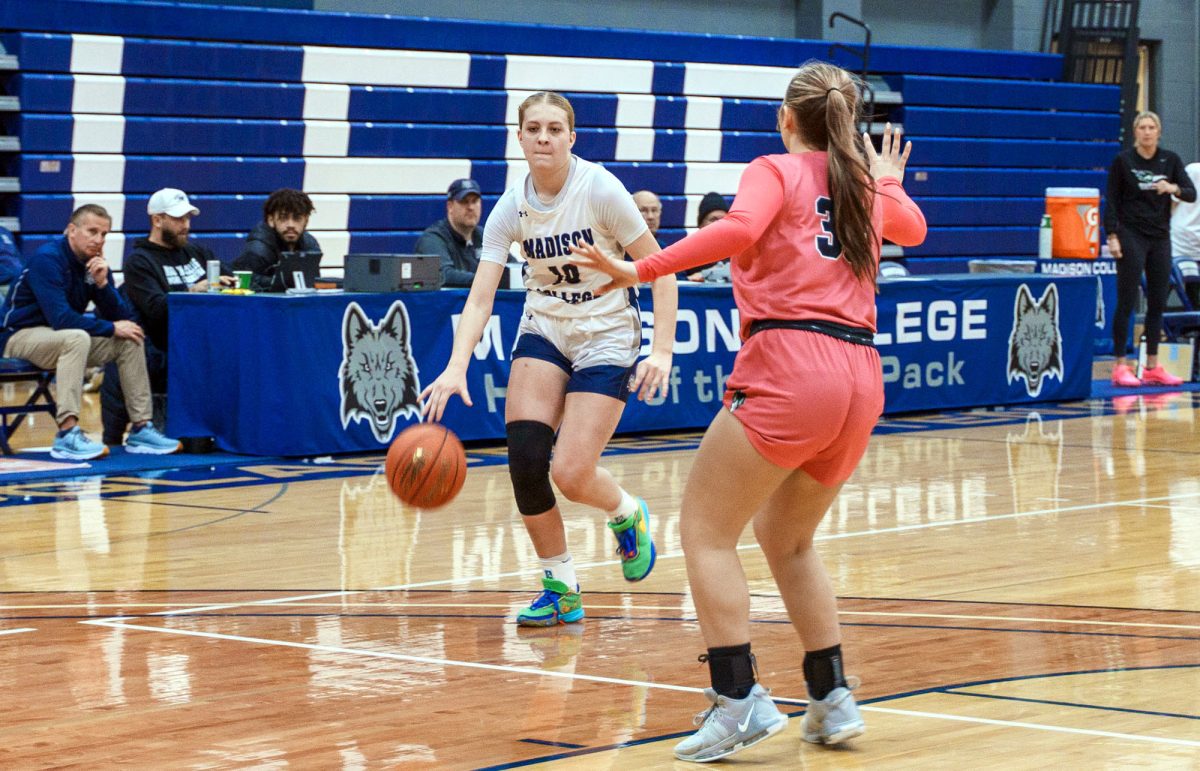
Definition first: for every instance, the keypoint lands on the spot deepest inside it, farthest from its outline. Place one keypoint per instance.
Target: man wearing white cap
(166, 261)
(43, 321)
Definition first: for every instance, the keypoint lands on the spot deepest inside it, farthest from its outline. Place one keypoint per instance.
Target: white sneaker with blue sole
(75, 445)
(148, 441)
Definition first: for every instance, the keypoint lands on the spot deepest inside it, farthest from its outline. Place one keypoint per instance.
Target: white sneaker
(833, 719)
(731, 725)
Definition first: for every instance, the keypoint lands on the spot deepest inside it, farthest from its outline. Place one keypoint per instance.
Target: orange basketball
(426, 465)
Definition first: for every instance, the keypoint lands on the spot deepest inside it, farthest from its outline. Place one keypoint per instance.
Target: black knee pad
(529, 446)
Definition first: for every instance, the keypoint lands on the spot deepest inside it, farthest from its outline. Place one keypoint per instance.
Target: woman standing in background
(1137, 218)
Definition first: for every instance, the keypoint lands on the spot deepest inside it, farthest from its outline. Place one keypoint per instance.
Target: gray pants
(69, 352)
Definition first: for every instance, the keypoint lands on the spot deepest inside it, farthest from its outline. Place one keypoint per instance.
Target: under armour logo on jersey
(522, 213)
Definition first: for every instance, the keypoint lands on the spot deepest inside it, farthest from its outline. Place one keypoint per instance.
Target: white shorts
(613, 339)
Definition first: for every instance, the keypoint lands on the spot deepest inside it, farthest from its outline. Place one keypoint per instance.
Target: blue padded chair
(1184, 322)
(11, 416)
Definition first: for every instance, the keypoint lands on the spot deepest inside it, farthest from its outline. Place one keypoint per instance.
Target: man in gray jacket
(458, 238)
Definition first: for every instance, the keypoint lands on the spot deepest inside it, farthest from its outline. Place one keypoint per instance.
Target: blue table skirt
(331, 373)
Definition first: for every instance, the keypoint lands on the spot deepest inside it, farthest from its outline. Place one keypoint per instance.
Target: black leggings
(1152, 255)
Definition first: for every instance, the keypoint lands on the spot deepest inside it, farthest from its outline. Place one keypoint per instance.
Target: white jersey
(1185, 221)
(593, 206)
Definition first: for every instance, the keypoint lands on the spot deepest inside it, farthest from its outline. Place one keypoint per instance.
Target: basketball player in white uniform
(573, 364)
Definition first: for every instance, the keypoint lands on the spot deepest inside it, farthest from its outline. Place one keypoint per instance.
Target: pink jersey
(786, 262)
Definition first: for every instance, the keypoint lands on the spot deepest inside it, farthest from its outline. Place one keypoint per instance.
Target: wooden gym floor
(1019, 589)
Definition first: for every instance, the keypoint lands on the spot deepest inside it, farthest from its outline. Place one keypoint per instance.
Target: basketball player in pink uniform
(804, 395)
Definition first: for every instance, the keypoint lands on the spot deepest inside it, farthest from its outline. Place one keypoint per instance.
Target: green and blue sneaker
(557, 604)
(634, 543)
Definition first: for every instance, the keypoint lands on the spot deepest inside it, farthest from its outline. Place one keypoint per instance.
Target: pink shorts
(807, 400)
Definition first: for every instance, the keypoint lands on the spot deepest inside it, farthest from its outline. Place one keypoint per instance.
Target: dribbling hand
(652, 377)
(622, 273)
(889, 162)
(437, 394)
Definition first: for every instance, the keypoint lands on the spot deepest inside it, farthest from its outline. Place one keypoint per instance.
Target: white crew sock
(560, 568)
(625, 509)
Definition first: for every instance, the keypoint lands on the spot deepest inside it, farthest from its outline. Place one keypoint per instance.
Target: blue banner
(1105, 272)
(984, 339)
(331, 373)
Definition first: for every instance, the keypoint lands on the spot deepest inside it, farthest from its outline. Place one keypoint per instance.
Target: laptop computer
(393, 272)
(308, 264)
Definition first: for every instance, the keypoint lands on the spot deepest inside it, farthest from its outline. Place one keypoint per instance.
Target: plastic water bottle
(1045, 238)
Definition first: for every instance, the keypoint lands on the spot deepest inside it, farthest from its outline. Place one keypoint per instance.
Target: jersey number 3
(826, 241)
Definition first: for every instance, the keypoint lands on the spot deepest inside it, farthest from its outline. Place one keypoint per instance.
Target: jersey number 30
(569, 273)
(826, 241)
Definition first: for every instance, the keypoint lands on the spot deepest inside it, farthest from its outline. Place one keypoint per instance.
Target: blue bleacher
(41, 133)
(142, 22)
(54, 93)
(1037, 126)
(1006, 94)
(377, 127)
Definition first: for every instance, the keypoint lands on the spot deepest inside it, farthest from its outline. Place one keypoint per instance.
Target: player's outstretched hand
(437, 394)
(622, 273)
(889, 162)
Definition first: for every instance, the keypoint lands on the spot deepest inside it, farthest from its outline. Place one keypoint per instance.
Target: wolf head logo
(378, 376)
(1035, 345)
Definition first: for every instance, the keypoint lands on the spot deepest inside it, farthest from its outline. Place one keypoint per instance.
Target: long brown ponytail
(825, 102)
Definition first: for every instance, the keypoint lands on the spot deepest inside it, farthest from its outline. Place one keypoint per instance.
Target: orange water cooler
(1075, 216)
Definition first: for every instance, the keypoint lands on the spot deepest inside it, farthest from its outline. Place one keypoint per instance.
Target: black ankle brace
(732, 669)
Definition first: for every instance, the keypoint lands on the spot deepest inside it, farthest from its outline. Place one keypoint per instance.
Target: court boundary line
(675, 555)
(195, 612)
(18, 631)
(119, 623)
(1052, 703)
(595, 592)
(866, 707)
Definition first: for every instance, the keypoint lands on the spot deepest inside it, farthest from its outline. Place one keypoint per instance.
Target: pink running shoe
(1123, 376)
(1159, 376)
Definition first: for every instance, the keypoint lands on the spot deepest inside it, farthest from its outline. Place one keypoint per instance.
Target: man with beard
(44, 323)
(166, 261)
(283, 229)
(458, 238)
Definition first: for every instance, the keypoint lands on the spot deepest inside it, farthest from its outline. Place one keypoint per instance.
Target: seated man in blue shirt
(43, 322)
(458, 238)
